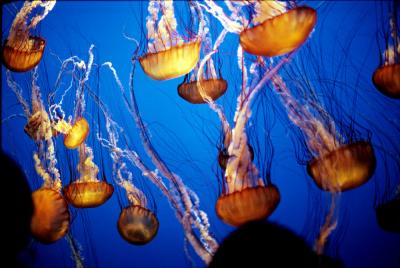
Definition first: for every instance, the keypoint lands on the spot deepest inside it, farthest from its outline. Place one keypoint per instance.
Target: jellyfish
(87, 191)
(245, 195)
(271, 29)
(212, 85)
(38, 126)
(278, 34)
(75, 129)
(50, 219)
(136, 224)
(183, 200)
(22, 51)
(386, 77)
(167, 56)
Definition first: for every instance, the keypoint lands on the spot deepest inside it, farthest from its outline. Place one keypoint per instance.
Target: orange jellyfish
(386, 77)
(87, 191)
(75, 130)
(168, 56)
(137, 225)
(335, 166)
(245, 196)
(210, 85)
(21, 51)
(281, 34)
(77, 134)
(50, 219)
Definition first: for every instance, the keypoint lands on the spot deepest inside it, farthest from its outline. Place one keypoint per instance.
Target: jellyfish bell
(137, 225)
(249, 204)
(77, 134)
(23, 55)
(344, 168)
(50, 219)
(387, 80)
(214, 88)
(88, 194)
(172, 62)
(280, 34)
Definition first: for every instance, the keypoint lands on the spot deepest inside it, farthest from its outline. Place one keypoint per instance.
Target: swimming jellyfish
(21, 51)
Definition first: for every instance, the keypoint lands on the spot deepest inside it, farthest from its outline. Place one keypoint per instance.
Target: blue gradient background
(186, 136)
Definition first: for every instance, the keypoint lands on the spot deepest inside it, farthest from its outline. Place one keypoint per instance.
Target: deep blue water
(345, 42)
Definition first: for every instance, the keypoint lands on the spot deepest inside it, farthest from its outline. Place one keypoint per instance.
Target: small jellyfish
(50, 219)
(167, 55)
(214, 88)
(280, 34)
(21, 51)
(137, 225)
(200, 86)
(87, 191)
(77, 134)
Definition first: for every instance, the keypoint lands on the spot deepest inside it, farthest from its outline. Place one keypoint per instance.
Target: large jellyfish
(386, 77)
(272, 29)
(21, 51)
(168, 56)
(336, 166)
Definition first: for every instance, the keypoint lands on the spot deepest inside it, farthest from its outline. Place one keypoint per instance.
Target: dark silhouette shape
(17, 209)
(388, 215)
(263, 244)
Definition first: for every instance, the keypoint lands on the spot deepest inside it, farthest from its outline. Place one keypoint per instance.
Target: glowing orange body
(77, 135)
(137, 225)
(214, 88)
(247, 205)
(345, 168)
(88, 194)
(387, 79)
(281, 34)
(171, 63)
(24, 57)
(50, 219)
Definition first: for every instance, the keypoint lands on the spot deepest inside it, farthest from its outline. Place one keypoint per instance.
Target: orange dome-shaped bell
(345, 168)
(247, 205)
(137, 225)
(281, 34)
(171, 63)
(88, 194)
(77, 134)
(50, 219)
(23, 55)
